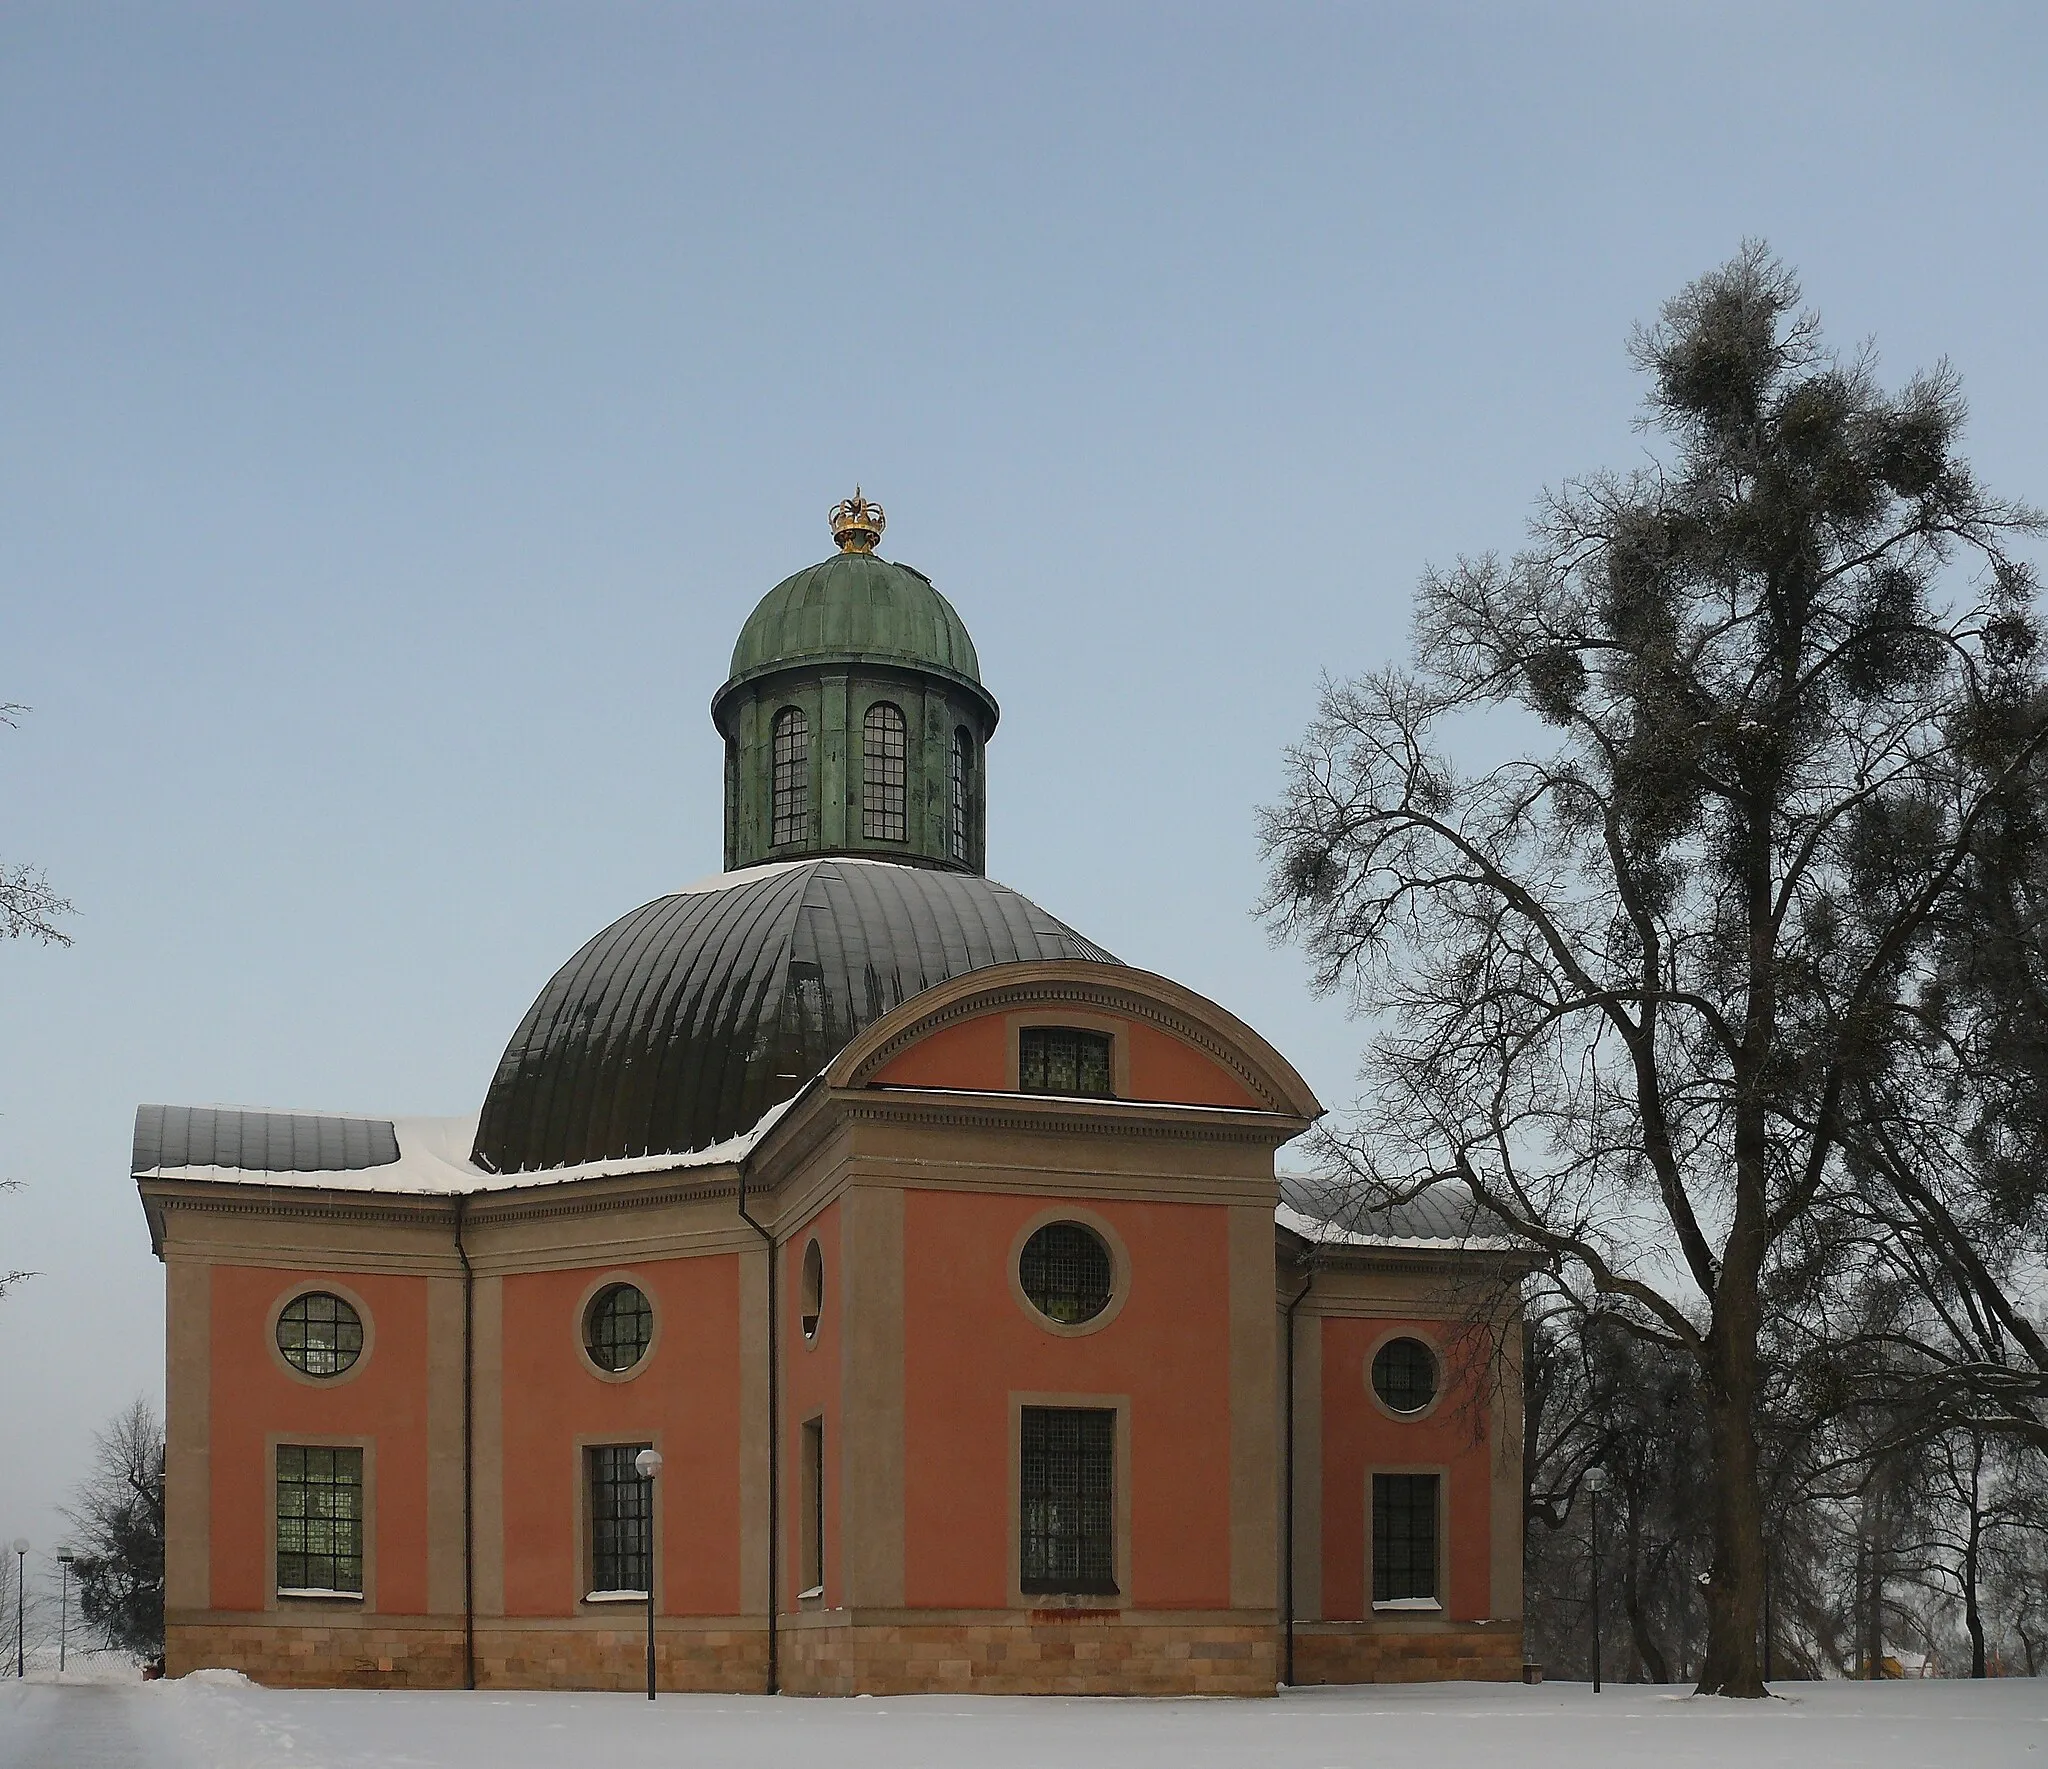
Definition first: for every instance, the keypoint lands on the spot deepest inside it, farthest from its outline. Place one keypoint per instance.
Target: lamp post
(20, 1547)
(63, 1604)
(647, 1464)
(1596, 1484)
(1770, 1621)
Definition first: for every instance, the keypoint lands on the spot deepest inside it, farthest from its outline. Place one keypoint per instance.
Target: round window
(1065, 1270)
(618, 1327)
(319, 1333)
(1404, 1375)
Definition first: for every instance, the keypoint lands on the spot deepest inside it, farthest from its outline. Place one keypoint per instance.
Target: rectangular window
(792, 785)
(1403, 1537)
(1066, 1511)
(1063, 1059)
(319, 1518)
(811, 1497)
(621, 1519)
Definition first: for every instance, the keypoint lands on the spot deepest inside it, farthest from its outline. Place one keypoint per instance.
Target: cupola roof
(857, 607)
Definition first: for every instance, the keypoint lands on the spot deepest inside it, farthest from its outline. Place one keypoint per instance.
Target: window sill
(1069, 1591)
(316, 1594)
(814, 1595)
(614, 1596)
(1425, 1605)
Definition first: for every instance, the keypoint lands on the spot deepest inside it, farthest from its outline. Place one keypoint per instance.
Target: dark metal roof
(1446, 1211)
(259, 1142)
(683, 1022)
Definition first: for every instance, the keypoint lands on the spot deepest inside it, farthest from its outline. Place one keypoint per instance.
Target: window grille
(963, 769)
(811, 1545)
(319, 1334)
(1065, 1270)
(1062, 1059)
(619, 1327)
(882, 813)
(1067, 1501)
(1403, 1536)
(792, 807)
(621, 1519)
(1404, 1375)
(811, 1296)
(319, 1518)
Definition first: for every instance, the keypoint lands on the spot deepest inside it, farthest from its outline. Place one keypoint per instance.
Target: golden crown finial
(857, 524)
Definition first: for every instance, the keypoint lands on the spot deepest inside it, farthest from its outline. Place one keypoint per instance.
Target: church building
(938, 1256)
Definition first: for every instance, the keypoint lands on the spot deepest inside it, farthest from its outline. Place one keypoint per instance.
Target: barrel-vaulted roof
(685, 1021)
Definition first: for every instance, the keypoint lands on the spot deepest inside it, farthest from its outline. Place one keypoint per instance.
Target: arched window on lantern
(792, 784)
(882, 815)
(963, 793)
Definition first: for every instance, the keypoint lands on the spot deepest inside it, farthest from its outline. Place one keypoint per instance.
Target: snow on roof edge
(1329, 1234)
(433, 1161)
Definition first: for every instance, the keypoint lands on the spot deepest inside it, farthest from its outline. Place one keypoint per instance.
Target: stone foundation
(1038, 1653)
(427, 1653)
(1047, 1653)
(725, 1658)
(1361, 1652)
(424, 1653)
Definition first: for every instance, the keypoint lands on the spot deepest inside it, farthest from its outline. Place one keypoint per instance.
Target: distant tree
(118, 1517)
(28, 907)
(1631, 983)
(8, 1279)
(1599, 1394)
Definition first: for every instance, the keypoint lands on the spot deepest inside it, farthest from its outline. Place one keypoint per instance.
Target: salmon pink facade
(854, 1272)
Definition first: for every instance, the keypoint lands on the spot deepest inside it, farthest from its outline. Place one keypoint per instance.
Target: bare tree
(1630, 986)
(28, 907)
(118, 1516)
(8, 1279)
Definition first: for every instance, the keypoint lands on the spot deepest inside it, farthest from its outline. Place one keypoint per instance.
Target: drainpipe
(774, 1454)
(468, 1448)
(1287, 1511)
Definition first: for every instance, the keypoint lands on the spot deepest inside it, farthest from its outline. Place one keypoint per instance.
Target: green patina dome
(855, 607)
(854, 718)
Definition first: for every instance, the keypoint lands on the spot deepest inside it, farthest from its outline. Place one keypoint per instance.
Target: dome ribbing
(856, 608)
(683, 1022)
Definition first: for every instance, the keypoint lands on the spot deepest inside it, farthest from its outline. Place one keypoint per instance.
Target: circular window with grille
(320, 1334)
(1404, 1375)
(1066, 1272)
(617, 1327)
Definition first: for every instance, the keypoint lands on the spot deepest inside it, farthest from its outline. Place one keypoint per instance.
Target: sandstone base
(1046, 1654)
(427, 1653)
(1042, 1653)
(1362, 1652)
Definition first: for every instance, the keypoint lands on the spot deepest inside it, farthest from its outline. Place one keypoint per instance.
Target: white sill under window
(320, 1592)
(614, 1596)
(1421, 1603)
(814, 1592)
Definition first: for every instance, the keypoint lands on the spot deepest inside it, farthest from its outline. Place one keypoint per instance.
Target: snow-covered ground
(214, 1721)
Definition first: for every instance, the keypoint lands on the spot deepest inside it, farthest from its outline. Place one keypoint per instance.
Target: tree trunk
(1735, 1585)
(1654, 1664)
(1973, 1617)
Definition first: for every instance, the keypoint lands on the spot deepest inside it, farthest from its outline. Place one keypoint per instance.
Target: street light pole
(1596, 1484)
(63, 1604)
(20, 1547)
(647, 1464)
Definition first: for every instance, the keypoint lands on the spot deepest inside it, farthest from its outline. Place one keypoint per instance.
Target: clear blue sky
(402, 406)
